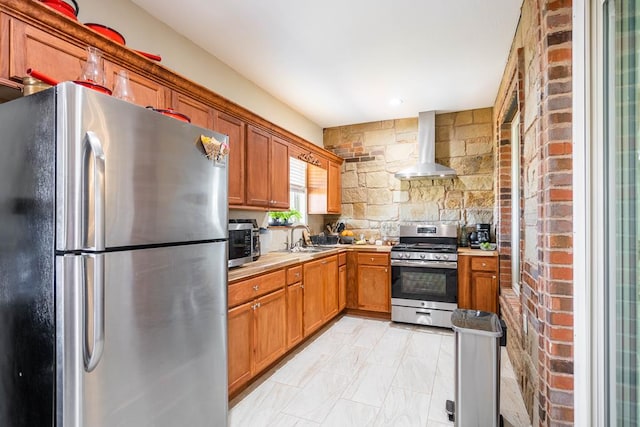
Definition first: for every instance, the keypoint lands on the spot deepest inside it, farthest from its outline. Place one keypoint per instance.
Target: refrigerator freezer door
(128, 176)
(163, 356)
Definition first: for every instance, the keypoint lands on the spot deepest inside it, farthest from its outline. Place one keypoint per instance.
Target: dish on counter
(486, 246)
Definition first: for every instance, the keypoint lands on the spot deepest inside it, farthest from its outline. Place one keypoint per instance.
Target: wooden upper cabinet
(200, 114)
(257, 164)
(146, 92)
(235, 129)
(279, 173)
(324, 191)
(317, 188)
(30, 47)
(334, 189)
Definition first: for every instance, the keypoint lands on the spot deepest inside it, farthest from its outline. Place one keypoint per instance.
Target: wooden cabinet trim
(40, 16)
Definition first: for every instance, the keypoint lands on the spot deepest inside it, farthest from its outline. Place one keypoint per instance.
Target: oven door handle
(452, 265)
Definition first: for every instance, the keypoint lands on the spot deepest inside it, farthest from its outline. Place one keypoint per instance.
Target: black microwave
(244, 241)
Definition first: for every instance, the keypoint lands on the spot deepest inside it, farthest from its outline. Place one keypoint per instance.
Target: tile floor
(365, 372)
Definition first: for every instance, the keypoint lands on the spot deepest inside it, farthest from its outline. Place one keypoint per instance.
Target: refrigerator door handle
(93, 193)
(93, 310)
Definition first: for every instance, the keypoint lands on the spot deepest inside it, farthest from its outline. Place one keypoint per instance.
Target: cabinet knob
(258, 305)
(386, 270)
(371, 258)
(484, 264)
(301, 286)
(256, 287)
(297, 274)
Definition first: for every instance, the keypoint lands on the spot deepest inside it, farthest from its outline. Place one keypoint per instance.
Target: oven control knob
(423, 256)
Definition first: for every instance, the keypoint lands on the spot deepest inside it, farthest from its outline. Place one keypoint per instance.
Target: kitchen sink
(307, 249)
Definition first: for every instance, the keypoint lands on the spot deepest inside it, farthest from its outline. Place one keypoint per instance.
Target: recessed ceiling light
(394, 102)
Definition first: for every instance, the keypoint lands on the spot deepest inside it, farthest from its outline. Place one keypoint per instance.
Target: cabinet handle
(258, 305)
(253, 307)
(256, 287)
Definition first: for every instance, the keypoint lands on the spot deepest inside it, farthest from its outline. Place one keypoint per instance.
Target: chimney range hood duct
(427, 166)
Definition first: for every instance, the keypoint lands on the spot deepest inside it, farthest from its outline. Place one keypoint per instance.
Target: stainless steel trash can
(477, 368)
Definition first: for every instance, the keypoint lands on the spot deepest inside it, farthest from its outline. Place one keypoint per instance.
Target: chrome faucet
(295, 227)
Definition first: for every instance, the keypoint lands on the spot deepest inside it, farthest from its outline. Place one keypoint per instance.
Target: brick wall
(537, 80)
(374, 202)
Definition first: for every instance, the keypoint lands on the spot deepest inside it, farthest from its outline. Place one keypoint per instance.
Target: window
(298, 187)
(515, 203)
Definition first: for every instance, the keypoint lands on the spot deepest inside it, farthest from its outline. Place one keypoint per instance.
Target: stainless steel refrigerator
(113, 266)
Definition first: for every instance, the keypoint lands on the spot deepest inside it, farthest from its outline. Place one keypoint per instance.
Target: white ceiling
(341, 61)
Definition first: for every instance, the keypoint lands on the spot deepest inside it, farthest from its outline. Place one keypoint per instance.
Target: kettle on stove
(482, 234)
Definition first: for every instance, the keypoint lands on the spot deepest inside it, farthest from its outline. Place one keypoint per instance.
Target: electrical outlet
(525, 324)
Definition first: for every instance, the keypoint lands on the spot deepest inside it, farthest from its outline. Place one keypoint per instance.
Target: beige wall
(375, 203)
(144, 32)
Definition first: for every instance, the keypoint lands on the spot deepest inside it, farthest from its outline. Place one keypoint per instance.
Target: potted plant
(284, 217)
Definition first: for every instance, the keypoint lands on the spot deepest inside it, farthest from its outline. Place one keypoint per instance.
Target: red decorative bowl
(107, 32)
(94, 86)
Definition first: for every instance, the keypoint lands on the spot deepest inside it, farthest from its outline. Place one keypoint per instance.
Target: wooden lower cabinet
(331, 288)
(256, 327)
(342, 287)
(295, 331)
(374, 282)
(313, 296)
(270, 329)
(478, 283)
(321, 292)
(240, 343)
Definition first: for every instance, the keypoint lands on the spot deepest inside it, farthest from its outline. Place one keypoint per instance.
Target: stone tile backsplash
(375, 203)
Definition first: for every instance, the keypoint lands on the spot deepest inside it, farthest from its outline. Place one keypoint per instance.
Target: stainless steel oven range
(424, 275)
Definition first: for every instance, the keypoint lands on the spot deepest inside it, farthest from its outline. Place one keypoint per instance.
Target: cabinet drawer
(484, 263)
(372, 258)
(342, 259)
(294, 274)
(246, 290)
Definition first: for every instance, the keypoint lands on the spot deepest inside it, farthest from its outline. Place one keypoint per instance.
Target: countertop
(275, 260)
(476, 252)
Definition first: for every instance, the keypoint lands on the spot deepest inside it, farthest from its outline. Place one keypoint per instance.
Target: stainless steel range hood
(427, 166)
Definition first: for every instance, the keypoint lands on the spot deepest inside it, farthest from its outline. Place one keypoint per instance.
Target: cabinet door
(30, 47)
(199, 113)
(279, 173)
(316, 189)
(146, 92)
(294, 314)
(313, 298)
(331, 287)
(342, 287)
(258, 170)
(270, 328)
(373, 288)
(334, 190)
(240, 343)
(464, 282)
(484, 291)
(234, 129)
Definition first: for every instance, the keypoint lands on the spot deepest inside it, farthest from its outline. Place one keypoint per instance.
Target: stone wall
(537, 83)
(375, 203)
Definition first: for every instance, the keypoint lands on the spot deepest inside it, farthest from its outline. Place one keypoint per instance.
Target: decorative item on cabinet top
(309, 158)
